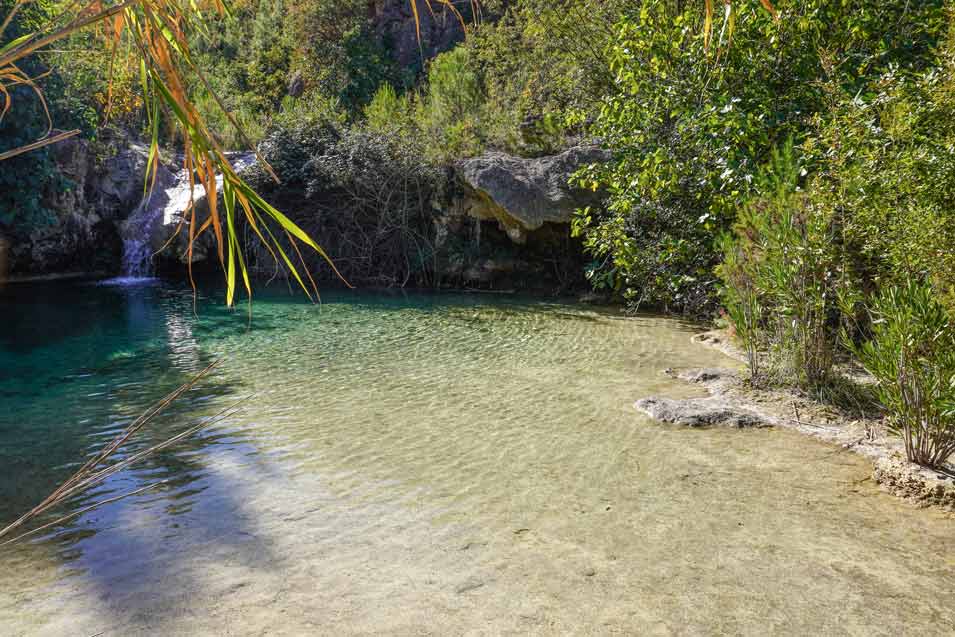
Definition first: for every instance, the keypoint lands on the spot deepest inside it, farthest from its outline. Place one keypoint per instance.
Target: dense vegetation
(794, 173)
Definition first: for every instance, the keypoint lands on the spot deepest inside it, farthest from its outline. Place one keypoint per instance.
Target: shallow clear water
(417, 464)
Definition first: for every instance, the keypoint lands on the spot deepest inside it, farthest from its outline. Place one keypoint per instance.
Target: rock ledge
(524, 194)
(732, 404)
(701, 412)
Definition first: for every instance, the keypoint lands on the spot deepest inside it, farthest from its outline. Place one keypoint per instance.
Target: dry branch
(95, 470)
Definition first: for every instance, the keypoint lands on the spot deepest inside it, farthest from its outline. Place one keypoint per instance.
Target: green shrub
(367, 194)
(545, 69)
(912, 356)
(367, 66)
(690, 126)
(388, 112)
(313, 109)
(885, 164)
(782, 276)
(741, 299)
(30, 182)
(448, 113)
(445, 116)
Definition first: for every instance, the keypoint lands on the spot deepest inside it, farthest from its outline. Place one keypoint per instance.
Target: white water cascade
(163, 207)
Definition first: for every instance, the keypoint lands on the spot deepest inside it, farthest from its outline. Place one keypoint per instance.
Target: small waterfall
(137, 248)
(170, 197)
(164, 206)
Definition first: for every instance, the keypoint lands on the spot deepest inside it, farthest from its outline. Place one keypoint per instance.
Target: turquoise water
(80, 361)
(425, 464)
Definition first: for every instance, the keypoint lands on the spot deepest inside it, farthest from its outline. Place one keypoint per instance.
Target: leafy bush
(449, 110)
(367, 66)
(912, 355)
(885, 165)
(445, 115)
(29, 181)
(690, 127)
(544, 70)
(311, 109)
(525, 84)
(782, 276)
(367, 194)
(741, 299)
(388, 111)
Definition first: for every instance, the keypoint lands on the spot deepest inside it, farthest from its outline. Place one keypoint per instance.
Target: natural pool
(421, 464)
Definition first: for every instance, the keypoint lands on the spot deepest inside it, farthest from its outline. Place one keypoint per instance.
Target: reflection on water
(437, 464)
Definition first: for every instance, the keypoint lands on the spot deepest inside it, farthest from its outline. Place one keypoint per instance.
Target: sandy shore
(733, 403)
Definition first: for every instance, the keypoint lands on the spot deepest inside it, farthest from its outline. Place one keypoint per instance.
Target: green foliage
(544, 71)
(388, 111)
(525, 83)
(246, 60)
(741, 298)
(912, 355)
(869, 216)
(367, 193)
(311, 109)
(448, 111)
(367, 67)
(445, 115)
(690, 126)
(885, 164)
(782, 277)
(28, 181)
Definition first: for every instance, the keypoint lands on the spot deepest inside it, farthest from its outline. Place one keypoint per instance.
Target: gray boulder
(118, 183)
(701, 412)
(524, 194)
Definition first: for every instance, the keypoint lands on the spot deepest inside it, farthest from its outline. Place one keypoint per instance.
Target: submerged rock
(701, 412)
(524, 194)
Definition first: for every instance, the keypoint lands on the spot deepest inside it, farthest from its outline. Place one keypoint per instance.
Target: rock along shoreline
(732, 404)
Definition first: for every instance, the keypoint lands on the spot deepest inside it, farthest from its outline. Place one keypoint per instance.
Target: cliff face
(82, 231)
(393, 21)
(493, 222)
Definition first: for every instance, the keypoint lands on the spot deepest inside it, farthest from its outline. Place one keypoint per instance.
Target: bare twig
(46, 141)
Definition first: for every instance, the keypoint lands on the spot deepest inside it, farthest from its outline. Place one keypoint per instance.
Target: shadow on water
(128, 552)
(80, 363)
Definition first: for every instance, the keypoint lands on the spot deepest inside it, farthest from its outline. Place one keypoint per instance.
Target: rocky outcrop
(100, 186)
(700, 412)
(524, 194)
(712, 411)
(922, 486)
(393, 21)
(155, 228)
(493, 222)
(99, 221)
(734, 404)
